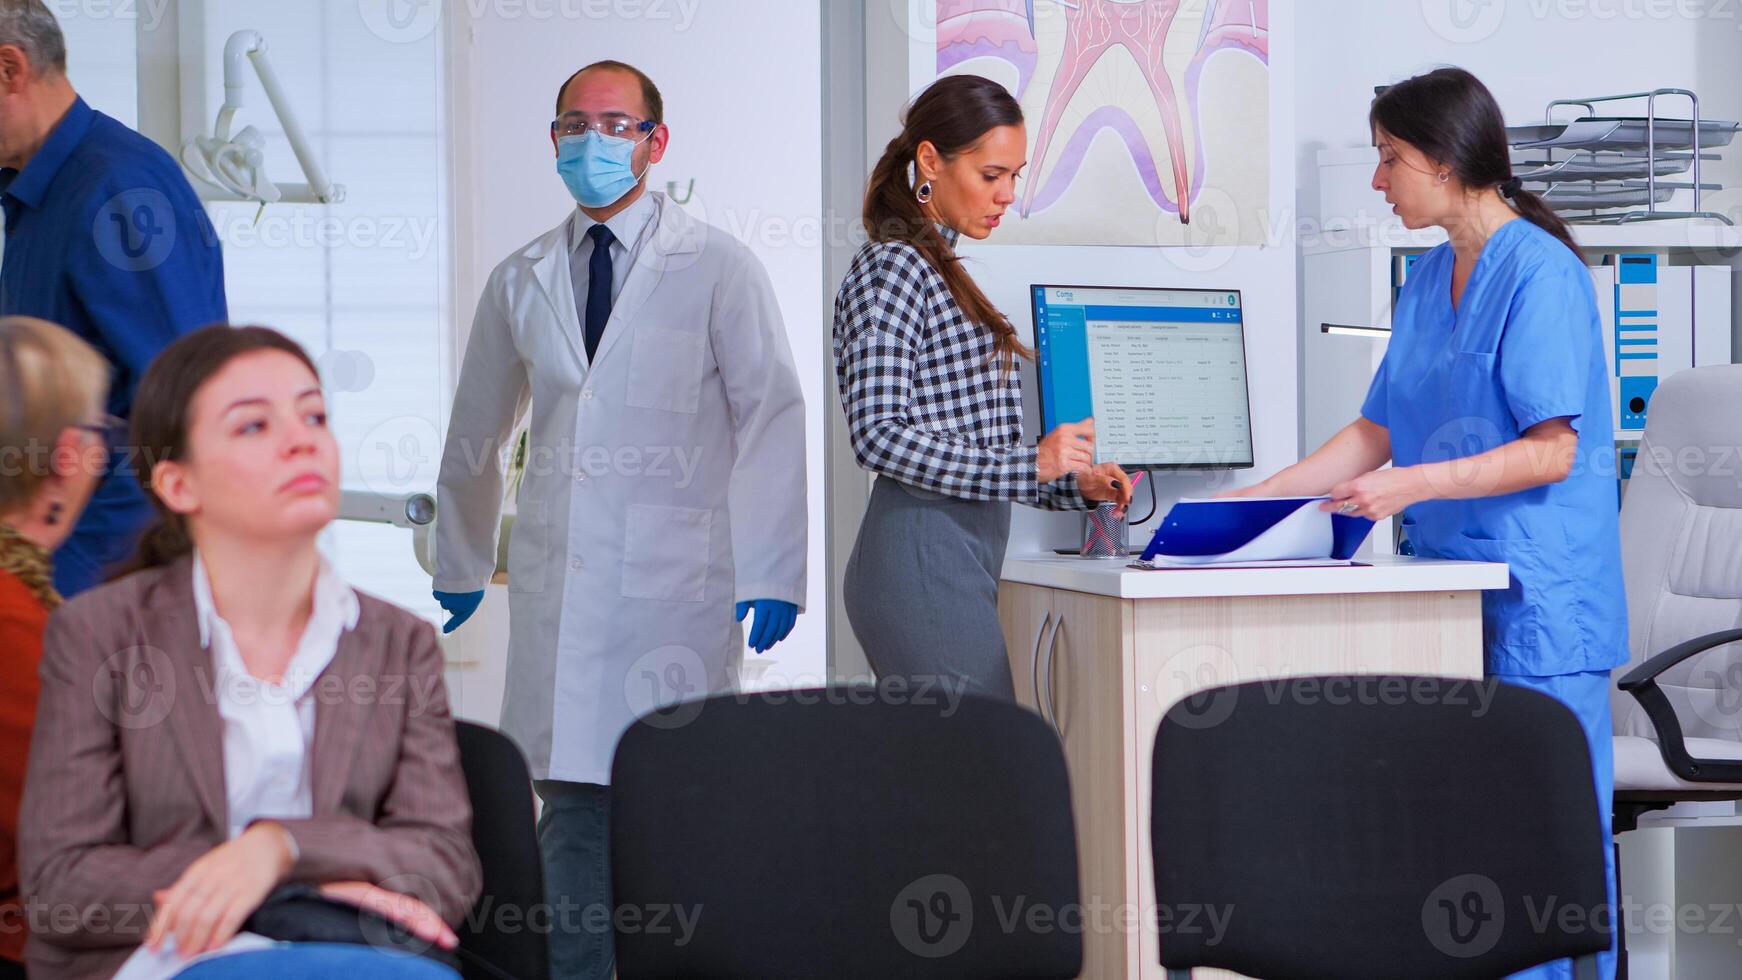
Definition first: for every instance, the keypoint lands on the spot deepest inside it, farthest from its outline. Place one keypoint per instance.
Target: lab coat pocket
(666, 552)
(528, 547)
(1513, 620)
(665, 369)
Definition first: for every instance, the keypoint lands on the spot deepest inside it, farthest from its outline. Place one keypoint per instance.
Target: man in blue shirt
(103, 236)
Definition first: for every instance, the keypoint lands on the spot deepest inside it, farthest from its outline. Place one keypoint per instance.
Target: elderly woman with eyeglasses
(53, 451)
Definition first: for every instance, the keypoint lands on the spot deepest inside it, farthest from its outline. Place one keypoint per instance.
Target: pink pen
(1134, 482)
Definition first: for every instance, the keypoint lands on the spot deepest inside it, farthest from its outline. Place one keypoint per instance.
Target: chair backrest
(1375, 827)
(502, 938)
(841, 834)
(1681, 548)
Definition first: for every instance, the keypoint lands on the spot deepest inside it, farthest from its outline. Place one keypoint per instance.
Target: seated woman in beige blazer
(232, 716)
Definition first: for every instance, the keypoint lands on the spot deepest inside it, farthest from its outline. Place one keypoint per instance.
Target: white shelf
(1673, 233)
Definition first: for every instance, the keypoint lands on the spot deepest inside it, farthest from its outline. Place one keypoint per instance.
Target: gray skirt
(921, 588)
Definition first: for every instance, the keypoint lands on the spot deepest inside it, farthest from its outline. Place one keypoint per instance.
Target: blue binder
(1215, 527)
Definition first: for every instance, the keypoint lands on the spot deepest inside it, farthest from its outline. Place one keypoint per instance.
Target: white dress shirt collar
(627, 226)
(335, 612)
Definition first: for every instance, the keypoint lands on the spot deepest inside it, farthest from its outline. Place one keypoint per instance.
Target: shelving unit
(1620, 162)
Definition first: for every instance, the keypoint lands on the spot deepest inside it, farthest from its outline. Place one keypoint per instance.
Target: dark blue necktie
(598, 286)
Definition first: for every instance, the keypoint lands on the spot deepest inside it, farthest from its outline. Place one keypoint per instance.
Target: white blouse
(269, 729)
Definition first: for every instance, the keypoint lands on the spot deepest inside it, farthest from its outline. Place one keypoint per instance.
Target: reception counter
(1102, 651)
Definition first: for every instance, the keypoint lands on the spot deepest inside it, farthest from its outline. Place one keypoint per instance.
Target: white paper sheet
(163, 964)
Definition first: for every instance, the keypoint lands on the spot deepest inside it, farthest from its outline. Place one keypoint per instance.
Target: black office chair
(832, 834)
(1303, 829)
(501, 939)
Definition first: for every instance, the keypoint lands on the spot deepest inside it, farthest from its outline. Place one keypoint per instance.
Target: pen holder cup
(1104, 532)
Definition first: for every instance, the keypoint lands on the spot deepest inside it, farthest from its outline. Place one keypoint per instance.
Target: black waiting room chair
(1405, 832)
(836, 834)
(502, 939)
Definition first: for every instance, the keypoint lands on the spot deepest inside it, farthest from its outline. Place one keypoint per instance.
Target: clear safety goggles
(611, 124)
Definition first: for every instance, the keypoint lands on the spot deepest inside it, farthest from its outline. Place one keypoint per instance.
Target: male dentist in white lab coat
(664, 489)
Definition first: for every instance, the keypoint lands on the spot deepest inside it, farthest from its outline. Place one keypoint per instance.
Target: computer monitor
(1162, 371)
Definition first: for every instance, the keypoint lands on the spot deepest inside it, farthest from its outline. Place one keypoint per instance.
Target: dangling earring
(53, 516)
(922, 193)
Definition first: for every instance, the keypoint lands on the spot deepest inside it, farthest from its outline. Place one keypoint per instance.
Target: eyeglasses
(112, 430)
(611, 124)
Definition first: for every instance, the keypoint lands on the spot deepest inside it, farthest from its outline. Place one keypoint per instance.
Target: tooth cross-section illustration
(1092, 29)
(1140, 71)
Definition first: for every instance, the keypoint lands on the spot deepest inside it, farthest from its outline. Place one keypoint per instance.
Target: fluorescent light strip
(1346, 330)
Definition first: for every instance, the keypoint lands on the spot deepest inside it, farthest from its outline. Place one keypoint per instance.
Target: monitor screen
(1162, 371)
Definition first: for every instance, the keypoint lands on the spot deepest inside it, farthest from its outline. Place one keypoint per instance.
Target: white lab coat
(665, 482)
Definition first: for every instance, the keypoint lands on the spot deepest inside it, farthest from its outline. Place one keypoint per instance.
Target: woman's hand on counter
(1379, 494)
(1357, 450)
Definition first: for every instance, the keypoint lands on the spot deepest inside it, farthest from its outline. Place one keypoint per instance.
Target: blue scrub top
(1523, 346)
(105, 237)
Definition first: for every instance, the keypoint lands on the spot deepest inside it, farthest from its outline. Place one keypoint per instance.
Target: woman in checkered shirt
(928, 377)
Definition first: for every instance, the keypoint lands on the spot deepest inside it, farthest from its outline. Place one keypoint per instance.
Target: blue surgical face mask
(598, 169)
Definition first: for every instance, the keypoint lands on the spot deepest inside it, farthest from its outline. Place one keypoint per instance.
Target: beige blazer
(125, 786)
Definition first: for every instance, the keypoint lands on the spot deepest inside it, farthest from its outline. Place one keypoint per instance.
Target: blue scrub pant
(1587, 694)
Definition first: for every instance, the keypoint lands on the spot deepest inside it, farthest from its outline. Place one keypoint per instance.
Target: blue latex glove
(461, 604)
(774, 619)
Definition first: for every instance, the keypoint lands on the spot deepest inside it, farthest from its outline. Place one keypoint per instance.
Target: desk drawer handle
(1034, 662)
(1049, 710)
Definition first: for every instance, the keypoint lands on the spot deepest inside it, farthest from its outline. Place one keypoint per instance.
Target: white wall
(742, 86)
(102, 59)
(1265, 274)
(1526, 51)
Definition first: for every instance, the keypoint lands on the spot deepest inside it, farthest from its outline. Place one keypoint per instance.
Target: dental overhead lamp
(229, 167)
(415, 512)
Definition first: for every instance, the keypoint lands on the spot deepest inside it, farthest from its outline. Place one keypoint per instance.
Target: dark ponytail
(1452, 118)
(1535, 210)
(162, 406)
(162, 543)
(954, 114)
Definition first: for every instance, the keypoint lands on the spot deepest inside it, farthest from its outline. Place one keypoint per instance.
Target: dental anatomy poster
(1148, 120)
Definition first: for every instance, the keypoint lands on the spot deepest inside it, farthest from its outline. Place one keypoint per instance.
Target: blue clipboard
(1217, 527)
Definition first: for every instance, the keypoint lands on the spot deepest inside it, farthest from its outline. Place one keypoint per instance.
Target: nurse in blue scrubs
(1492, 404)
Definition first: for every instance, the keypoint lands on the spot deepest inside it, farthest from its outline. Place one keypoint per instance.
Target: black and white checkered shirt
(928, 402)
